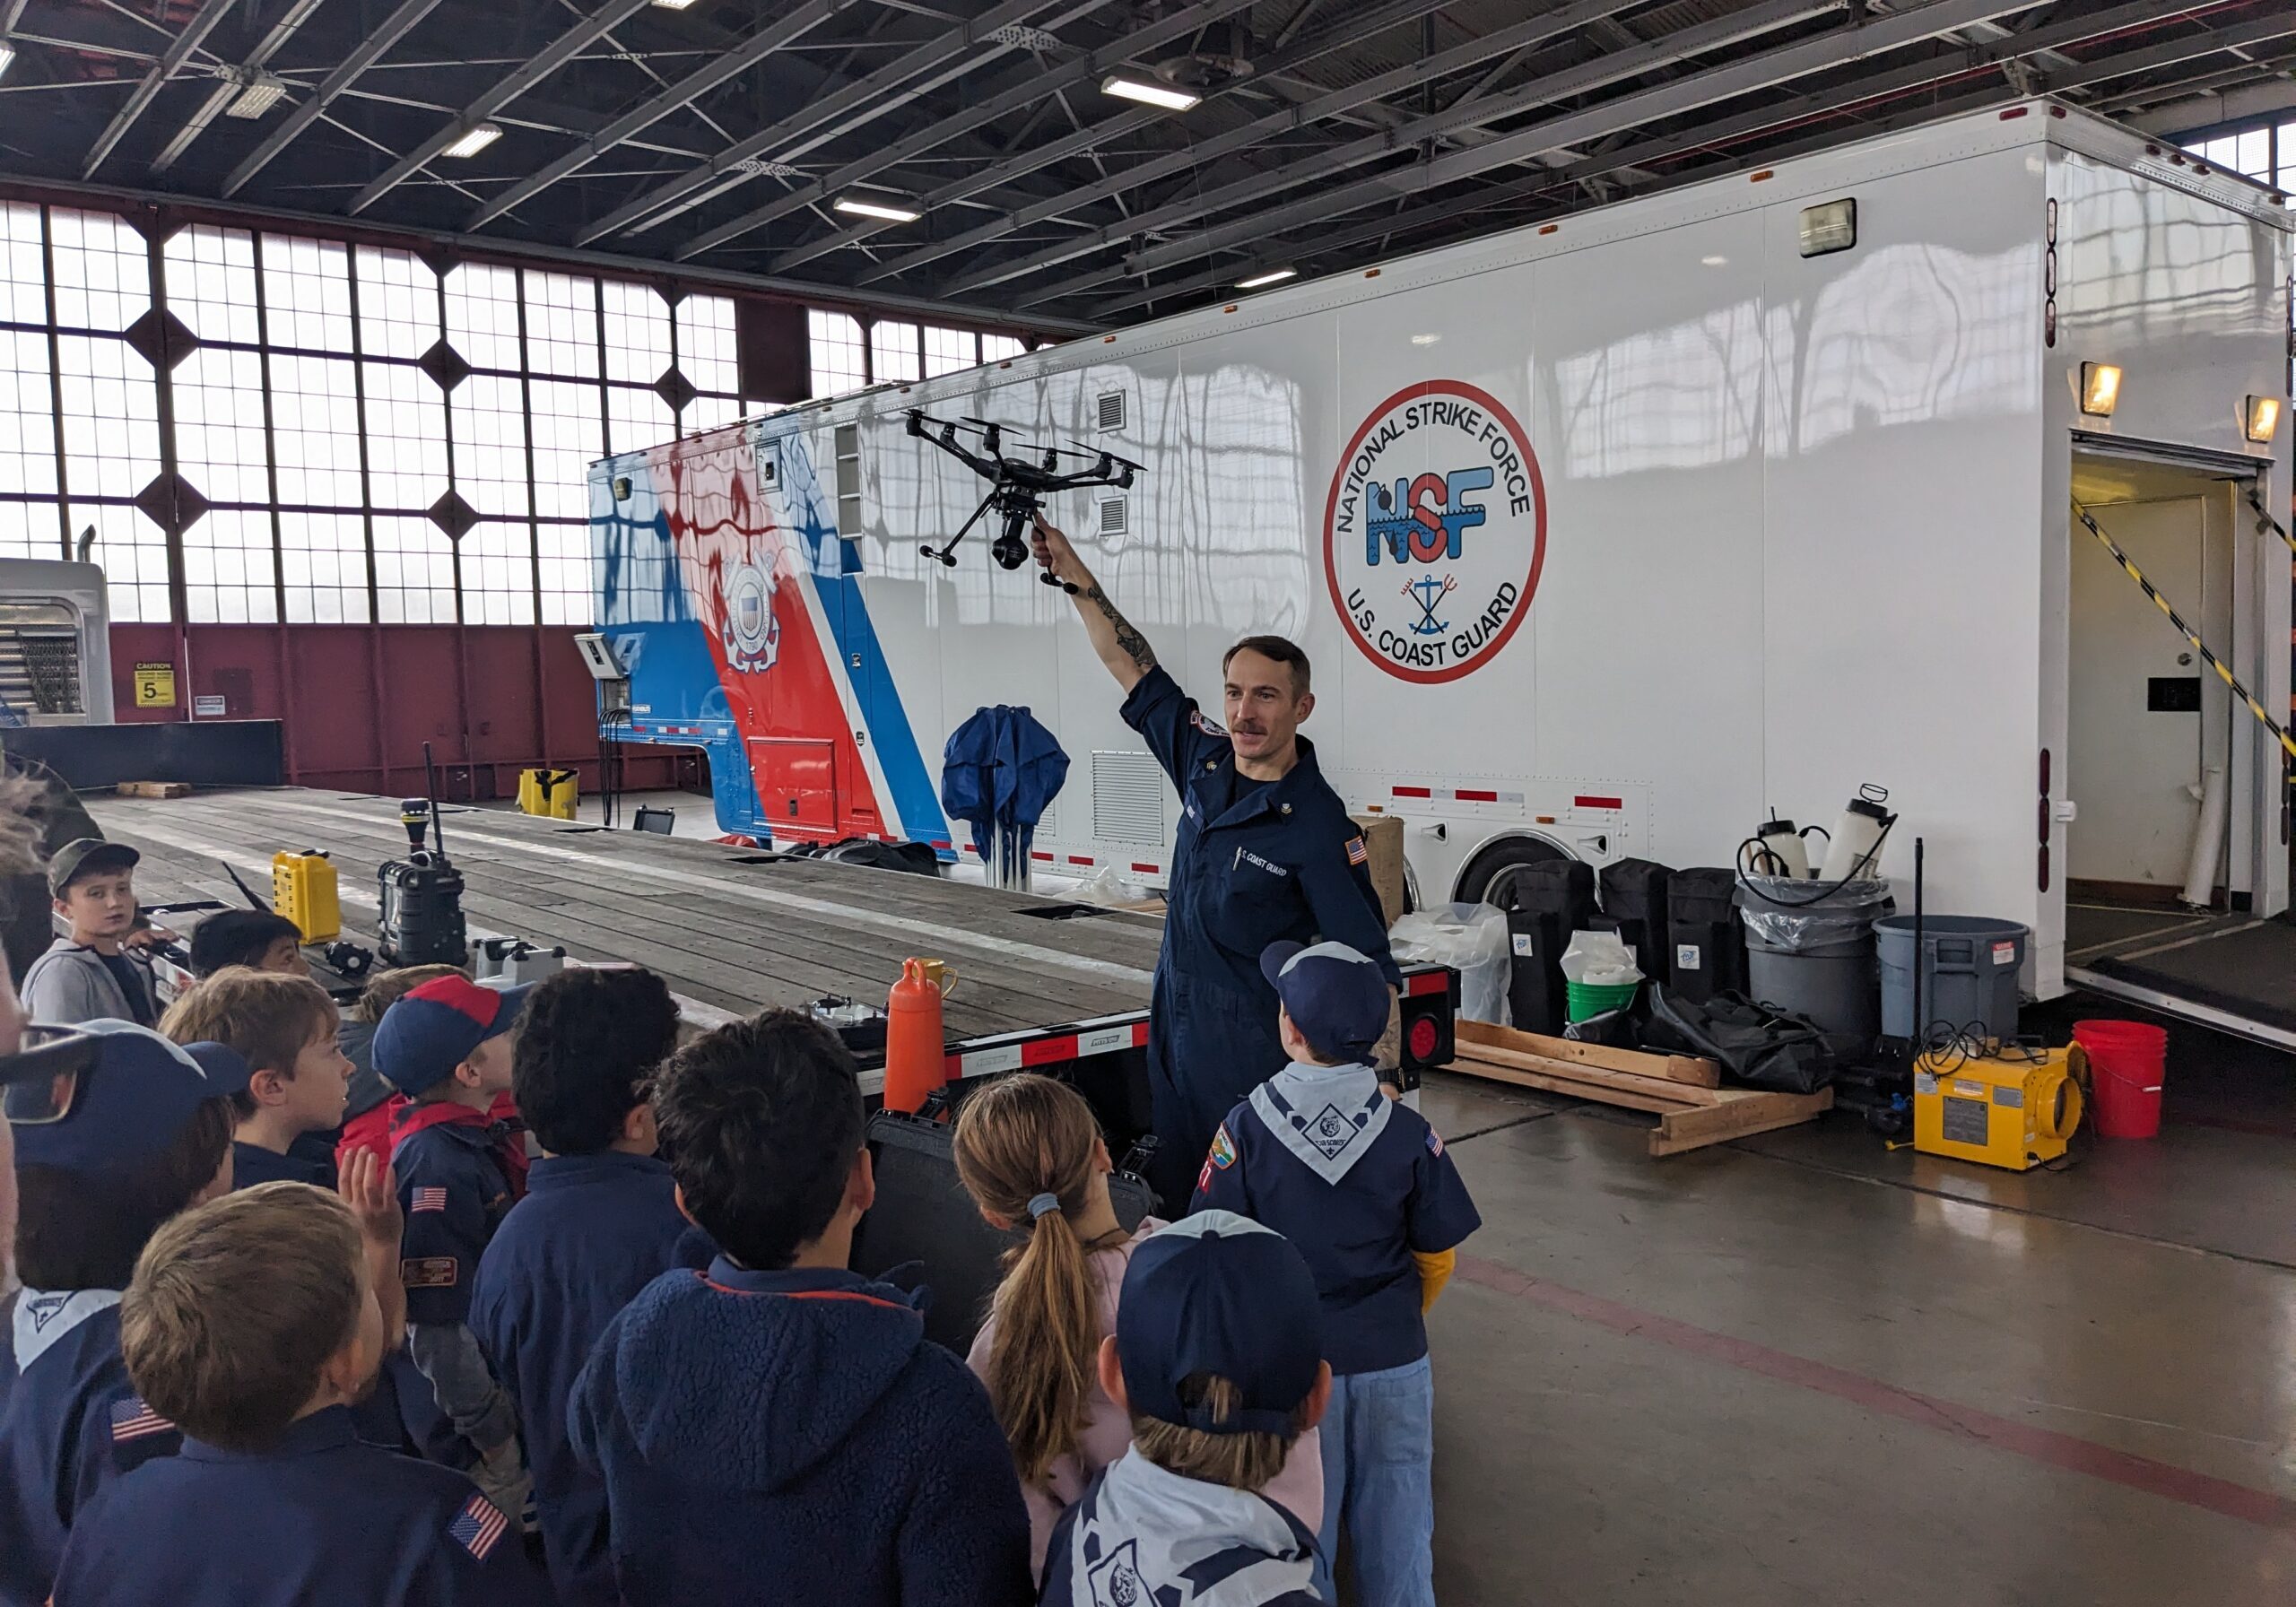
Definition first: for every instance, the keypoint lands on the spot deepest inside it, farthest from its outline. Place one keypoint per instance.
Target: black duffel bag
(1755, 1045)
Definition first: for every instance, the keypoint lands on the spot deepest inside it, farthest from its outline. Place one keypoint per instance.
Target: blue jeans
(1378, 1441)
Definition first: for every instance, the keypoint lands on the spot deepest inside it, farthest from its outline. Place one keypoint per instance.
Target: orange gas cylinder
(915, 1057)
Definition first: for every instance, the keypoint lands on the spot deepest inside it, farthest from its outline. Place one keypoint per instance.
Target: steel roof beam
(1085, 69)
(1600, 71)
(1535, 30)
(171, 60)
(370, 50)
(727, 164)
(552, 56)
(774, 36)
(1776, 65)
(226, 91)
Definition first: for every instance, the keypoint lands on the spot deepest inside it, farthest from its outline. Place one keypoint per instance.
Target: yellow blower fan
(2011, 1107)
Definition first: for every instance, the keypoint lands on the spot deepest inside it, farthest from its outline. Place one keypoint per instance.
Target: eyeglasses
(43, 1078)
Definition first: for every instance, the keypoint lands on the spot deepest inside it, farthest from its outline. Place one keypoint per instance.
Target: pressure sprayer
(1853, 851)
(1777, 849)
(915, 1060)
(1856, 840)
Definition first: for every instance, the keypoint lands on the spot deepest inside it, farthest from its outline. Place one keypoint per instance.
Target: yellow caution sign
(155, 685)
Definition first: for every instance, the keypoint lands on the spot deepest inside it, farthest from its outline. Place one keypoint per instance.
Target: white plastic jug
(1854, 846)
(1776, 849)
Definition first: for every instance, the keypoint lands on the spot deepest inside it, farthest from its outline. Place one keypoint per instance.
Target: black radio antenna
(431, 793)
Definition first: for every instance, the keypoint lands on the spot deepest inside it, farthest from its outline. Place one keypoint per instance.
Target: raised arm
(1119, 644)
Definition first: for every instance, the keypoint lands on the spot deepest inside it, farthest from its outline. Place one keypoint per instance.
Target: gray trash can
(1969, 973)
(1810, 950)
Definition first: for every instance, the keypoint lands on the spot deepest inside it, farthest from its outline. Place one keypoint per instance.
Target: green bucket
(1588, 1001)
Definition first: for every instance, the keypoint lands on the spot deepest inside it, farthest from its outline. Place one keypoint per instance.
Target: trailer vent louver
(1111, 410)
(1114, 516)
(1127, 798)
(849, 481)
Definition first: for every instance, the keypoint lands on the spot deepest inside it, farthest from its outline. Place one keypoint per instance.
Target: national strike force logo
(1435, 531)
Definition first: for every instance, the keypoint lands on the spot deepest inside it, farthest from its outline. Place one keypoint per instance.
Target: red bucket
(2128, 1063)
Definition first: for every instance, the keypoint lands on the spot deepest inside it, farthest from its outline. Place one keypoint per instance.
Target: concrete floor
(1802, 1368)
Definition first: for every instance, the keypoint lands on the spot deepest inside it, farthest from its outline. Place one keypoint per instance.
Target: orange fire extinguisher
(915, 1060)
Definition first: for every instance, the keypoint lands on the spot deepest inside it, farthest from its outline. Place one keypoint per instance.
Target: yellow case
(552, 794)
(303, 889)
(2013, 1107)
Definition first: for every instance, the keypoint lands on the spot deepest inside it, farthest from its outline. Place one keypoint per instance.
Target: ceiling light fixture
(1272, 276)
(875, 209)
(1715, 262)
(2100, 389)
(1150, 94)
(7, 55)
(2261, 419)
(1425, 340)
(258, 94)
(672, 4)
(474, 140)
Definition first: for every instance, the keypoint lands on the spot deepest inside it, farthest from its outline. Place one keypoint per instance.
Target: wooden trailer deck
(733, 931)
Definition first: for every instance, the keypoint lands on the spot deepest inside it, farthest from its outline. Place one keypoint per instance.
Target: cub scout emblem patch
(1330, 1132)
(1223, 1148)
(428, 1272)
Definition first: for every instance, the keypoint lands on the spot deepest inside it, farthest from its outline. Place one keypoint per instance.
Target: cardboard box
(1383, 835)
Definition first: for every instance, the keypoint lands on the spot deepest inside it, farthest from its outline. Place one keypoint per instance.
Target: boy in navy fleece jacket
(778, 1428)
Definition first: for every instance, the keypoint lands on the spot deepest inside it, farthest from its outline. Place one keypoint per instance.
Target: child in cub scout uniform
(1359, 1181)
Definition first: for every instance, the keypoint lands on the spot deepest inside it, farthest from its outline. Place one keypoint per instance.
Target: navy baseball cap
(1335, 995)
(129, 1104)
(423, 1037)
(1219, 1293)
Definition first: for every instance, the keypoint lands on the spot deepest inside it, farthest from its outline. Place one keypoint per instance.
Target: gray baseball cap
(86, 856)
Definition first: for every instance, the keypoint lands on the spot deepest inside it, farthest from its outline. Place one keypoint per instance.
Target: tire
(1488, 873)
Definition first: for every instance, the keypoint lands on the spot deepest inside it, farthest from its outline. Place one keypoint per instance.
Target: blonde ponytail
(1024, 1146)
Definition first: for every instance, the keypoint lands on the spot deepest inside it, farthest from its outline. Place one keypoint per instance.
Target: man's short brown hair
(236, 1308)
(1283, 649)
(267, 1016)
(1239, 1461)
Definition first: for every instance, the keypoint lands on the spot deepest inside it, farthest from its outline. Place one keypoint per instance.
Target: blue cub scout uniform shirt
(318, 1518)
(454, 1195)
(592, 1231)
(1357, 1182)
(70, 1424)
(252, 1164)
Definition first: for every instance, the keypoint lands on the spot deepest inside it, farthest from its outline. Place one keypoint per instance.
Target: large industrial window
(329, 433)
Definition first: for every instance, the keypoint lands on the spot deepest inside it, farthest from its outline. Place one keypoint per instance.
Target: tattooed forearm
(1129, 641)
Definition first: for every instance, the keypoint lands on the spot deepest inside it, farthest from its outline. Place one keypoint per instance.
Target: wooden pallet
(1684, 1093)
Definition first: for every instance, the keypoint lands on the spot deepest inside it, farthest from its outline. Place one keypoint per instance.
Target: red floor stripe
(2259, 1507)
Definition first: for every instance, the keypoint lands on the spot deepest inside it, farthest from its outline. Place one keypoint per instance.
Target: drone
(1019, 486)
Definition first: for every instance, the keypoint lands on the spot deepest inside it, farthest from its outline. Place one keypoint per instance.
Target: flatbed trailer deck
(731, 929)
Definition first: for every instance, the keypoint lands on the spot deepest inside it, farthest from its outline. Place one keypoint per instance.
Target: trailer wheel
(1490, 875)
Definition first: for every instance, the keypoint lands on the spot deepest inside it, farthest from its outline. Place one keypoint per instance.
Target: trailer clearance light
(2262, 418)
(1829, 227)
(2100, 389)
(474, 141)
(1150, 94)
(875, 209)
(1272, 276)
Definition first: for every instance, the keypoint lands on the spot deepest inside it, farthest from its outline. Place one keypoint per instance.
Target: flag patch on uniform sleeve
(429, 1199)
(477, 1527)
(1435, 1143)
(1357, 852)
(133, 1418)
(1223, 1148)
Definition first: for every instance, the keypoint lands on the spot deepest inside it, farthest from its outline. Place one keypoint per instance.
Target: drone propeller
(1111, 456)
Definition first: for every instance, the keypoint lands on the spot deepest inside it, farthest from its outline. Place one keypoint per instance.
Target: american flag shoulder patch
(133, 1418)
(1435, 1142)
(1357, 851)
(477, 1527)
(429, 1199)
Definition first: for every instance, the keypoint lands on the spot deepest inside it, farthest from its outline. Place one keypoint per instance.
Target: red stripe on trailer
(1598, 803)
(1048, 1051)
(1426, 982)
(1145, 869)
(1079, 859)
(943, 842)
(1412, 792)
(1465, 796)
(1041, 854)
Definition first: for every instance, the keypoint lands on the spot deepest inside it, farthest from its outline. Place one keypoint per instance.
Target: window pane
(406, 437)
(706, 351)
(561, 325)
(2288, 156)
(307, 293)
(315, 430)
(135, 558)
(211, 283)
(834, 345)
(415, 572)
(948, 349)
(1000, 348)
(710, 413)
(398, 304)
(489, 419)
(892, 351)
(567, 586)
(323, 559)
(30, 530)
(228, 570)
(637, 333)
(638, 418)
(103, 272)
(111, 418)
(2252, 154)
(568, 439)
(27, 418)
(219, 425)
(482, 315)
(499, 574)
(24, 273)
